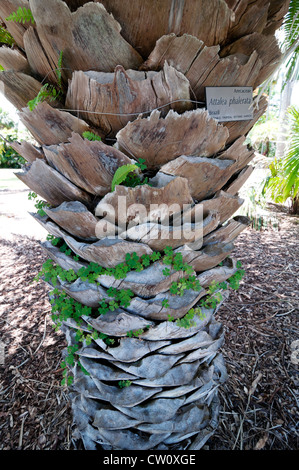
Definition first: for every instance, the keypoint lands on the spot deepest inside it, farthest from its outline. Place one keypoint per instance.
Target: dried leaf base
(172, 402)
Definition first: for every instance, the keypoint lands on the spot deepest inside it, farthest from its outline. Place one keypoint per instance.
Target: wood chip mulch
(261, 351)
(259, 401)
(34, 408)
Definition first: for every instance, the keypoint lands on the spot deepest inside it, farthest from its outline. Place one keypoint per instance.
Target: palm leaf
(291, 33)
(284, 180)
(291, 160)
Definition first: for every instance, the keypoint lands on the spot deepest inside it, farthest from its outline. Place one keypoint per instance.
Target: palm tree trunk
(295, 206)
(127, 85)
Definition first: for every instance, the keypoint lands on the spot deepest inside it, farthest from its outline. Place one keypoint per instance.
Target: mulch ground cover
(259, 401)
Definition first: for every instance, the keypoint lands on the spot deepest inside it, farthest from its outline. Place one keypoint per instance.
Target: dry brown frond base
(259, 400)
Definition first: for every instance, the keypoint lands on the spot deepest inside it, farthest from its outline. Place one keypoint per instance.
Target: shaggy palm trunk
(134, 74)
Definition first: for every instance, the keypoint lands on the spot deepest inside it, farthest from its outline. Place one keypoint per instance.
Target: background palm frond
(291, 35)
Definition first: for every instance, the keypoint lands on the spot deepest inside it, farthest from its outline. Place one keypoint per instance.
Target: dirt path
(259, 400)
(34, 410)
(15, 207)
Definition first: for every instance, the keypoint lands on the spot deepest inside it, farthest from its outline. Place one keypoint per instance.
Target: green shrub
(284, 180)
(9, 158)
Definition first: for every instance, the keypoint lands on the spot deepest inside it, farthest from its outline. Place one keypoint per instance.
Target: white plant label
(230, 103)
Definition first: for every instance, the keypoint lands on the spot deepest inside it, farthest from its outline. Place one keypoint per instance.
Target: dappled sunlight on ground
(15, 207)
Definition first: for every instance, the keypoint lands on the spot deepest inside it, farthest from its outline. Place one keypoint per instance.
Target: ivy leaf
(145, 259)
(155, 256)
(166, 272)
(141, 164)
(124, 383)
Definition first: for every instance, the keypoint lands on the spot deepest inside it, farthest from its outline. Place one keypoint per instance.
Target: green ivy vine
(64, 307)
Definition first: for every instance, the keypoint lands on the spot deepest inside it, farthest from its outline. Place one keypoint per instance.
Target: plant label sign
(230, 103)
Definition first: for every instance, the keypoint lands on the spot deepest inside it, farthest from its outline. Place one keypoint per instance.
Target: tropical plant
(6, 121)
(139, 261)
(283, 183)
(290, 42)
(22, 15)
(47, 92)
(263, 136)
(9, 158)
(5, 37)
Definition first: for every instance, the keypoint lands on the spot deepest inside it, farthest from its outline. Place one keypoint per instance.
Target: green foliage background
(9, 158)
